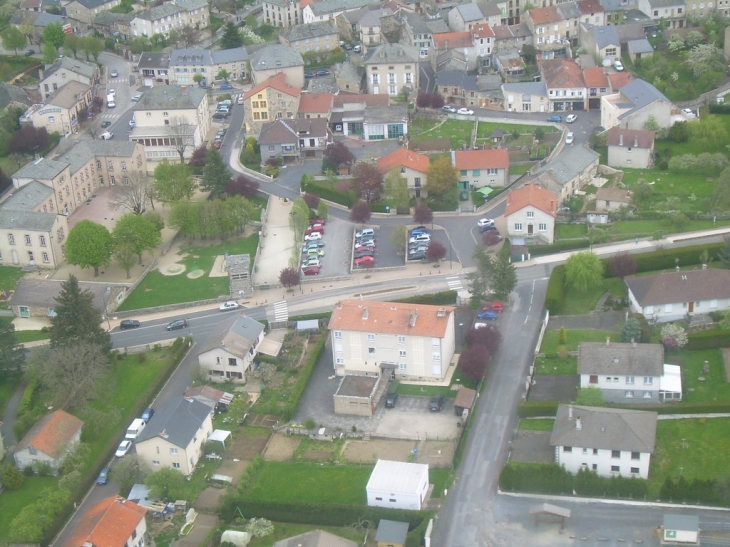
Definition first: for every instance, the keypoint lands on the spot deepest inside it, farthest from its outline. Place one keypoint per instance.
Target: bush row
(666, 259)
(723, 108)
(708, 339)
(551, 478)
(559, 247)
(555, 295)
(309, 317)
(533, 409)
(646, 330)
(343, 198)
(705, 491)
(298, 390)
(443, 298)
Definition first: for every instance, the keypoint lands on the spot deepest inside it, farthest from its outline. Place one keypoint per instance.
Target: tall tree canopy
(89, 245)
(76, 319)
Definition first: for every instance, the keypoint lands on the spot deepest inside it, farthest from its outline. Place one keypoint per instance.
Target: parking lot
(336, 259)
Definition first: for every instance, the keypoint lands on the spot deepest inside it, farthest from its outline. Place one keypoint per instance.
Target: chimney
(365, 312)
(621, 139)
(184, 90)
(608, 340)
(578, 425)
(441, 313)
(412, 316)
(636, 142)
(570, 412)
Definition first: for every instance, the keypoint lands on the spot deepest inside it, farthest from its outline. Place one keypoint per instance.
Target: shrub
(559, 246)
(556, 290)
(708, 339)
(12, 477)
(297, 391)
(534, 409)
(141, 357)
(348, 199)
(666, 259)
(544, 478)
(444, 298)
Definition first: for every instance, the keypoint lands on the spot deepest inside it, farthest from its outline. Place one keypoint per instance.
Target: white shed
(681, 530)
(399, 485)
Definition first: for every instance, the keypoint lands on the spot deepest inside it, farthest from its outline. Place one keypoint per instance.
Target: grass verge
(575, 337)
(713, 388)
(12, 502)
(537, 425)
(556, 365)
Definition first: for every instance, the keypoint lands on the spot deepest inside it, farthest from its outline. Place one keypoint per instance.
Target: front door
(691, 307)
(24, 311)
(529, 229)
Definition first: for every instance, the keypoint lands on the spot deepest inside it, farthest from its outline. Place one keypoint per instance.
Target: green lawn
(158, 290)
(715, 387)
(692, 189)
(342, 484)
(520, 169)
(9, 277)
(440, 478)
(459, 132)
(13, 501)
(556, 365)
(577, 303)
(650, 227)
(485, 129)
(426, 391)
(550, 340)
(24, 336)
(571, 231)
(537, 425)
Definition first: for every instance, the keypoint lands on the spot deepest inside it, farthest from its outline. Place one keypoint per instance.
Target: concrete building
(531, 212)
(272, 99)
(49, 441)
(276, 59)
(330, 9)
(464, 17)
(635, 104)
(601, 41)
(320, 36)
(61, 111)
(479, 168)
(282, 13)
(171, 15)
(412, 167)
(113, 522)
(672, 11)
(458, 44)
(398, 485)
(610, 441)
(294, 139)
(67, 70)
(640, 49)
(592, 12)
(315, 105)
(84, 11)
(418, 32)
(358, 395)
(612, 199)
(526, 97)
(597, 85)
(412, 341)
(389, 68)
(184, 64)
(632, 148)
(553, 27)
(349, 78)
(571, 171)
(381, 122)
(175, 435)
(370, 27)
(154, 68)
(114, 26)
(391, 533)
(680, 530)
(12, 96)
(230, 349)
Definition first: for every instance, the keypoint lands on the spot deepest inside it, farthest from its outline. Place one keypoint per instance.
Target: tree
(721, 197)
(679, 132)
(231, 38)
(631, 331)
(367, 181)
(335, 155)
(181, 134)
(503, 274)
(583, 270)
(189, 36)
(673, 336)
(76, 319)
(259, 528)
(49, 54)
(441, 176)
(597, 235)
(215, 173)
(323, 210)
(312, 200)
(360, 212)
(128, 471)
(491, 237)
(53, 34)
(12, 477)
(12, 38)
(138, 232)
(166, 484)
(487, 336)
(724, 254)
(435, 251)
(243, 186)
(71, 43)
(396, 188)
(289, 278)
(590, 396)
(398, 237)
(173, 182)
(473, 362)
(28, 140)
(422, 214)
(621, 265)
(198, 77)
(651, 124)
(223, 73)
(198, 158)
(562, 337)
(134, 194)
(480, 278)
(89, 245)
(71, 375)
(12, 353)
(704, 58)
(92, 47)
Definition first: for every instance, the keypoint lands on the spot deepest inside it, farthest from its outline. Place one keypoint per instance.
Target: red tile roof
(561, 73)
(380, 99)
(109, 523)
(403, 158)
(502, 32)
(313, 103)
(542, 16)
(482, 30)
(449, 40)
(52, 433)
(278, 82)
(532, 195)
(589, 7)
(620, 79)
(497, 158)
(595, 77)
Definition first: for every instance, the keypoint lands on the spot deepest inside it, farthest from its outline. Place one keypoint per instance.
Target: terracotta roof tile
(532, 195)
(391, 318)
(403, 158)
(449, 40)
(561, 73)
(620, 79)
(109, 523)
(52, 433)
(482, 30)
(595, 77)
(497, 158)
(312, 103)
(630, 138)
(589, 7)
(278, 82)
(542, 16)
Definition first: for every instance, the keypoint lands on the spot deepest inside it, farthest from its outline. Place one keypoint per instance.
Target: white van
(135, 428)
(365, 232)
(110, 101)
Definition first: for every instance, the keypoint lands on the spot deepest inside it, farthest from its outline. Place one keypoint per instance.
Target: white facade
(675, 311)
(223, 365)
(623, 387)
(606, 463)
(531, 221)
(398, 485)
(158, 452)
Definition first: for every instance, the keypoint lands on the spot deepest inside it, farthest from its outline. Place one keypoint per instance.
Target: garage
(594, 104)
(310, 153)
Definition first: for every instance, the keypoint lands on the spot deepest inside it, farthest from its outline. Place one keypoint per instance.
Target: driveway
(554, 387)
(599, 320)
(532, 447)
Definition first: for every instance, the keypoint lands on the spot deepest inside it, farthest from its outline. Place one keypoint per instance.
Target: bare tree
(134, 195)
(181, 135)
(93, 130)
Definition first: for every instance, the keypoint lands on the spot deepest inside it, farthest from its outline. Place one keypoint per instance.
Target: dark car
(436, 403)
(348, 47)
(128, 324)
(323, 73)
(217, 144)
(103, 477)
(308, 75)
(364, 253)
(30, 52)
(310, 270)
(420, 255)
(487, 228)
(106, 123)
(226, 86)
(390, 400)
(555, 119)
(487, 315)
(177, 324)
(147, 414)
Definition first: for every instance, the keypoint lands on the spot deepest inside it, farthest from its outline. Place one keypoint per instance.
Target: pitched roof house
(531, 212)
(634, 105)
(570, 171)
(269, 100)
(274, 59)
(391, 533)
(565, 84)
(113, 522)
(315, 538)
(597, 85)
(609, 441)
(632, 148)
(49, 440)
(315, 105)
(230, 349)
(412, 166)
(611, 199)
(391, 67)
(479, 168)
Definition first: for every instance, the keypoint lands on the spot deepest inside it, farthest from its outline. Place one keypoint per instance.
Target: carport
(550, 513)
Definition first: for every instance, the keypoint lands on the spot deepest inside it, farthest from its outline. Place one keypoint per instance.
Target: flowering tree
(673, 336)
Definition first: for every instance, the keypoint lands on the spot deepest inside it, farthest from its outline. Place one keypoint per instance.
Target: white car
(111, 92)
(230, 305)
(113, 74)
(136, 98)
(485, 222)
(448, 108)
(569, 138)
(227, 102)
(123, 448)
(106, 136)
(132, 124)
(618, 65)
(311, 261)
(570, 118)
(688, 113)
(313, 236)
(239, 100)
(420, 237)
(465, 111)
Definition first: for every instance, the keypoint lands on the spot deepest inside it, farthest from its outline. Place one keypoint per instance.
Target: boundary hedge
(559, 247)
(665, 259)
(708, 339)
(443, 298)
(555, 294)
(346, 199)
(297, 391)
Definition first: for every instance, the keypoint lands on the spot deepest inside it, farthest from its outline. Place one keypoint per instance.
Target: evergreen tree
(77, 319)
(231, 38)
(215, 173)
(724, 254)
(631, 331)
(12, 354)
(504, 275)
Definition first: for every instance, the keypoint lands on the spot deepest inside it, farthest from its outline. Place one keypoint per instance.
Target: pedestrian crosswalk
(110, 116)
(454, 283)
(281, 311)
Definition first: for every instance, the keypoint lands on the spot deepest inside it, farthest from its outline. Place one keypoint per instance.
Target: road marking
(281, 311)
(454, 283)
(110, 116)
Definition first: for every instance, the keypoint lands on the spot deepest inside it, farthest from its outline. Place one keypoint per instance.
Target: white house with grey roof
(85, 11)
(67, 70)
(229, 350)
(609, 441)
(330, 9)
(418, 32)
(171, 15)
(173, 438)
(601, 42)
(385, 122)
(320, 36)
(464, 16)
(526, 97)
(282, 13)
(154, 67)
(635, 104)
(398, 485)
(391, 67)
(184, 64)
(60, 112)
(672, 11)
(275, 58)
(569, 172)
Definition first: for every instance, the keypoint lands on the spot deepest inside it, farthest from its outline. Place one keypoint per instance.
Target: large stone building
(282, 13)
(276, 59)
(389, 68)
(270, 100)
(171, 15)
(60, 113)
(67, 70)
(85, 11)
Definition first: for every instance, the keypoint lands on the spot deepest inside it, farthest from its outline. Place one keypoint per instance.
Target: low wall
(170, 307)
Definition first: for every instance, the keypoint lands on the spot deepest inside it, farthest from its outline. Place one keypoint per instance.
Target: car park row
(418, 241)
(313, 250)
(363, 253)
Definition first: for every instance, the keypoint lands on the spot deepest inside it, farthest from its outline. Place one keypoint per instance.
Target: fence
(541, 335)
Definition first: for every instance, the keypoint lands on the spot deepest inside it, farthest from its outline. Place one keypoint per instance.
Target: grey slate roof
(641, 94)
(27, 220)
(327, 84)
(27, 198)
(665, 3)
(77, 153)
(391, 53)
(13, 94)
(44, 169)
(612, 5)
(469, 12)
(230, 55)
(391, 531)
(640, 46)
(681, 522)
(109, 18)
(43, 292)
(91, 4)
(190, 56)
(605, 428)
(468, 82)
(606, 36)
(309, 30)
(236, 335)
(74, 65)
(684, 286)
(170, 97)
(620, 358)
(531, 88)
(437, 26)
(385, 114)
(570, 163)
(177, 421)
(44, 19)
(489, 8)
(158, 12)
(154, 59)
(288, 131)
(275, 56)
(315, 538)
(569, 10)
(415, 22)
(349, 71)
(329, 6)
(372, 17)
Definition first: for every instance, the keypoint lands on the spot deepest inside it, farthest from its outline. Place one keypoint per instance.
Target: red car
(310, 270)
(365, 261)
(496, 307)
(363, 248)
(317, 221)
(217, 144)
(315, 228)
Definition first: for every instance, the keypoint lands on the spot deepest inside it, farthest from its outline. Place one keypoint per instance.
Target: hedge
(722, 108)
(646, 330)
(534, 409)
(714, 407)
(555, 294)
(559, 247)
(708, 339)
(443, 298)
(343, 198)
(323, 315)
(665, 259)
(297, 391)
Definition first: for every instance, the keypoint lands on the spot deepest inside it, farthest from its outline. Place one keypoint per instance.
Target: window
(173, 451)
(254, 104)
(27, 240)
(615, 453)
(402, 367)
(615, 469)
(166, 114)
(401, 353)
(648, 380)
(630, 380)
(272, 147)
(124, 166)
(401, 339)
(542, 227)
(634, 470)
(391, 500)
(155, 462)
(518, 226)
(647, 395)
(176, 465)
(436, 356)
(595, 452)
(593, 379)
(371, 338)
(112, 181)
(340, 361)
(629, 394)
(45, 258)
(530, 214)
(11, 239)
(595, 467)
(635, 456)
(42, 240)
(378, 499)
(567, 449)
(338, 334)
(371, 351)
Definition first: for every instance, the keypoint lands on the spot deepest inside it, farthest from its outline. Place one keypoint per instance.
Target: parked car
(106, 136)
(217, 144)
(365, 261)
(315, 228)
(308, 75)
(239, 100)
(147, 414)
(226, 102)
(688, 113)
(570, 118)
(106, 123)
(315, 252)
(132, 124)
(347, 47)
(312, 245)
(465, 112)
(365, 232)
(420, 255)
(136, 98)
(487, 315)
(323, 73)
(312, 261)
(390, 400)
(30, 52)
(436, 402)
(419, 237)
(485, 222)
(230, 305)
(310, 270)
(495, 306)
(419, 230)
(123, 448)
(448, 108)
(365, 242)
(221, 131)
(220, 116)
(361, 248)
(111, 92)
(177, 324)
(114, 74)
(357, 48)
(362, 254)
(225, 87)
(128, 324)
(103, 477)
(317, 221)
(555, 119)
(569, 138)
(313, 236)
(618, 65)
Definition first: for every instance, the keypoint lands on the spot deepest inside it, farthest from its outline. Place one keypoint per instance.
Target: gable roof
(683, 286)
(532, 195)
(309, 31)
(640, 94)
(606, 36)
(449, 40)
(236, 335)
(391, 318)
(43, 292)
(91, 4)
(198, 57)
(529, 88)
(620, 358)
(502, 32)
(371, 18)
(630, 138)
(543, 16)
(589, 7)
(177, 421)
(234, 54)
(620, 79)
(604, 428)
(482, 30)
(278, 82)
(391, 53)
(641, 45)
(27, 197)
(68, 94)
(51, 434)
(315, 538)
(323, 7)
(379, 99)
(559, 73)
(154, 59)
(109, 523)
(469, 12)
(314, 103)
(275, 57)
(496, 158)
(569, 164)
(81, 68)
(595, 77)
(402, 157)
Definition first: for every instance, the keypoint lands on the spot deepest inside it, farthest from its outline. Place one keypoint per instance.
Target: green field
(9, 277)
(556, 365)
(550, 340)
(571, 231)
(537, 425)
(13, 501)
(159, 290)
(459, 132)
(714, 388)
(485, 129)
(426, 391)
(577, 303)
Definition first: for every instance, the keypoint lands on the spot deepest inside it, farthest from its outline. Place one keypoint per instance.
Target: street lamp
(461, 334)
(107, 292)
